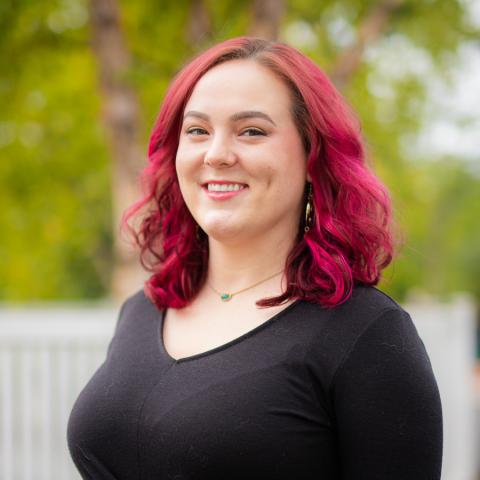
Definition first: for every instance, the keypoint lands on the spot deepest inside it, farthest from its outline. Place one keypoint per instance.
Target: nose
(219, 153)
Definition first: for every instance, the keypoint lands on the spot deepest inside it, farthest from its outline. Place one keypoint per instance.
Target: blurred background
(81, 82)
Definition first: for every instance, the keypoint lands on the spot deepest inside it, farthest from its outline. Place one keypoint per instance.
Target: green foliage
(55, 187)
(55, 221)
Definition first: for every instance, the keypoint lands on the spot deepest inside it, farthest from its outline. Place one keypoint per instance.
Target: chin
(222, 233)
(227, 234)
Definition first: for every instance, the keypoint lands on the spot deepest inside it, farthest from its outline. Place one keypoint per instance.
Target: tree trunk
(370, 29)
(199, 25)
(120, 112)
(267, 15)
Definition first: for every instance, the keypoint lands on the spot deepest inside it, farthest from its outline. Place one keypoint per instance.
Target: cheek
(188, 158)
(183, 163)
(181, 168)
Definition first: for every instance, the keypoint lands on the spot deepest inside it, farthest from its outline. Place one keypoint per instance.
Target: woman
(260, 347)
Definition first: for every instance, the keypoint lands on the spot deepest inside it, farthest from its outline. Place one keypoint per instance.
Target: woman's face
(238, 129)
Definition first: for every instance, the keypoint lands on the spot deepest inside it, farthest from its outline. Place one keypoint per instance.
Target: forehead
(240, 85)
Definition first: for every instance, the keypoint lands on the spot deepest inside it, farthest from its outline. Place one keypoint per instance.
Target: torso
(208, 323)
(272, 405)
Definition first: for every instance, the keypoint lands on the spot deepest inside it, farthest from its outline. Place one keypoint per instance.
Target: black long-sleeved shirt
(345, 393)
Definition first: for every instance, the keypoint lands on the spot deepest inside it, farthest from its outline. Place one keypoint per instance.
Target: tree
(122, 120)
(56, 164)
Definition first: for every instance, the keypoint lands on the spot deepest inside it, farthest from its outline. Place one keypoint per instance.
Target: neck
(233, 267)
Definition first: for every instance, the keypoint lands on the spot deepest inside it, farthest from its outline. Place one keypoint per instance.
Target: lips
(221, 187)
(222, 195)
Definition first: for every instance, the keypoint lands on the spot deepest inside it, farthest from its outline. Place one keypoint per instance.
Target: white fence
(449, 334)
(47, 355)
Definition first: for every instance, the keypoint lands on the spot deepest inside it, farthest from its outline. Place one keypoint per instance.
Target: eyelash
(191, 130)
(257, 131)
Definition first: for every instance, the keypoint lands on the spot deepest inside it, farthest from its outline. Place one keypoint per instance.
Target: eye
(195, 131)
(252, 132)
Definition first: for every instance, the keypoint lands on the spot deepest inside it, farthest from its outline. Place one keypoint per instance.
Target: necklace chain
(225, 297)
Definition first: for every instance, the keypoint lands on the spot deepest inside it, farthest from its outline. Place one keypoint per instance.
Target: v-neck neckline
(223, 346)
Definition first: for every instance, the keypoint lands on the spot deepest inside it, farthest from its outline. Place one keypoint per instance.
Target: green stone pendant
(226, 297)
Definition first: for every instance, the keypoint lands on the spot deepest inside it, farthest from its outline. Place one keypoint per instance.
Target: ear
(309, 178)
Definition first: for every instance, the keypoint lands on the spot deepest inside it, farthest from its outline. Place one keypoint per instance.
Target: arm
(387, 405)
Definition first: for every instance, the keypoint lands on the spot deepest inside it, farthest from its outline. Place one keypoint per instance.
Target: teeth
(216, 187)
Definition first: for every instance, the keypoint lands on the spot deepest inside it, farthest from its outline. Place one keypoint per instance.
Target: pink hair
(351, 238)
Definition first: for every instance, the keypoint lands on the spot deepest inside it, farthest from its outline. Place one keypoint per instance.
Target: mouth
(221, 187)
(224, 191)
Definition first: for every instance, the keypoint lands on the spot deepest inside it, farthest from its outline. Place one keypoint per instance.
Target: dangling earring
(309, 210)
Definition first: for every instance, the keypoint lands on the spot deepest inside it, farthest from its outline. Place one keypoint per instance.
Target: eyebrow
(235, 117)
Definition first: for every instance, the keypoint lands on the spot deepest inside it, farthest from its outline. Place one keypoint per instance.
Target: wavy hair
(351, 239)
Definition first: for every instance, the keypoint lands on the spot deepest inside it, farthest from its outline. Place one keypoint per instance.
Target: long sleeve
(387, 405)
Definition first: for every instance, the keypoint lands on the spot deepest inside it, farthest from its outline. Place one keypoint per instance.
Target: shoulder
(137, 300)
(376, 333)
(365, 301)
(369, 300)
(135, 309)
(369, 315)
(135, 328)
(366, 306)
(369, 309)
(348, 320)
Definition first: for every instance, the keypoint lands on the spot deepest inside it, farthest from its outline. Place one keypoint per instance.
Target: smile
(223, 191)
(224, 187)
